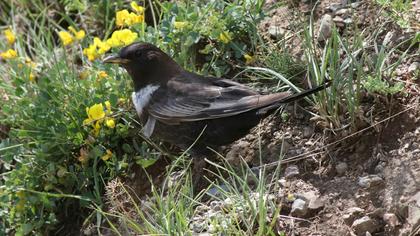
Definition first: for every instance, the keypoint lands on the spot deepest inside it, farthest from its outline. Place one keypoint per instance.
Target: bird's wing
(208, 98)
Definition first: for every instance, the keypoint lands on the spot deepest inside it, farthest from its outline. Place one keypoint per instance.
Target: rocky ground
(337, 182)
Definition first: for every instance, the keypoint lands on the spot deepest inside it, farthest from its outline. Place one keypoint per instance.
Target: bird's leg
(197, 174)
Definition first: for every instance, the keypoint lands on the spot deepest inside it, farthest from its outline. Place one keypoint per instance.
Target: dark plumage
(177, 106)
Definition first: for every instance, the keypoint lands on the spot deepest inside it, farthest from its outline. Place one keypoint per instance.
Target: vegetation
(72, 128)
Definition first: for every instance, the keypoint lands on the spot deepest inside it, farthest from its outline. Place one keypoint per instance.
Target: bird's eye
(138, 53)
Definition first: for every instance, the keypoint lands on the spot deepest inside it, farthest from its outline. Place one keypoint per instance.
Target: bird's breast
(141, 98)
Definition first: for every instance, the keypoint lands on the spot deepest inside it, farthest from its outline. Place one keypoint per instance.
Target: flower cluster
(125, 18)
(97, 115)
(119, 38)
(11, 39)
(68, 38)
(225, 37)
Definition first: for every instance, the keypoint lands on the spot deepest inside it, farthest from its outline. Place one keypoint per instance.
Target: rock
(363, 225)
(316, 204)
(338, 19)
(351, 214)
(325, 28)
(339, 22)
(370, 181)
(356, 4)
(291, 171)
(335, 7)
(391, 219)
(341, 168)
(343, 12)
(348, 21)
(215, 191)
(198, 226)
(228, 203)
(389, 39)
(276, 32)
(307, 132)
(299, 208)
(414, 67)
(413, 217)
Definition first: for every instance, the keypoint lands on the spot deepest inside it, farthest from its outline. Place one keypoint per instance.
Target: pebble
(341, 168)
(351, 214)
(343, 12)
(363, 225)
(391, 219)
(276, 32)
(413, 67)
(348, 21)
(370, 181)
(388, 39)
(299, 208)
(324, 32)
(291, 171)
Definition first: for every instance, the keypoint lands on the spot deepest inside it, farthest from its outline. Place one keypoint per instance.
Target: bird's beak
(115, 59)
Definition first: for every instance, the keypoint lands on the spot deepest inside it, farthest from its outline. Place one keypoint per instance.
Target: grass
(57, 160)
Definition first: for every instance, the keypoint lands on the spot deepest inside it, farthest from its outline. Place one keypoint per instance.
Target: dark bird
(185, 108)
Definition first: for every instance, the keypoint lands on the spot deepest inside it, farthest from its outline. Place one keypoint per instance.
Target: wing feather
(210, 98)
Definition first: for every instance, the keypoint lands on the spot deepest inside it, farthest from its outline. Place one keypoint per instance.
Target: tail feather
(306, 93)
(295, 97)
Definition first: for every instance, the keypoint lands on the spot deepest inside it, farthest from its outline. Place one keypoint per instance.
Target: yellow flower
(108, 106)
(10, 36)
(121, 17)
(180, 24)
(30, 63)
(91, 52)
(66, 37)
(102, 74)
(79, 35)
(225, 37)
(110, 123)
(95, 112)
(97, 128)
(124, 17)
(103, 47)
(137, 8)
(9, 54)
(249, 59)
(107, 155)
(32, 77)
(122, 38)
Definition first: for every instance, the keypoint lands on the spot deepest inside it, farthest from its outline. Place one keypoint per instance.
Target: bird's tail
(305, 93)
(265, 110)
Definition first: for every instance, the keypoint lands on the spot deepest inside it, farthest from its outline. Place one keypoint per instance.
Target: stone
(343, 12)
(324, 32)
(341, 168)
(351, 214)
(356, 4)
(291, 171)
(276, 32)
(389, 39)
(391, 219)
(307, 132)
(370, 181)
(414, 67)
(348, 21)
(335, 7)
(299, 208)
(363, 225)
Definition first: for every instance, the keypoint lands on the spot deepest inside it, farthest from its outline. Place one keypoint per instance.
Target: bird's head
(146, 64)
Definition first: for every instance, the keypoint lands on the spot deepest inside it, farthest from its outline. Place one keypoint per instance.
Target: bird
(191, 111)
